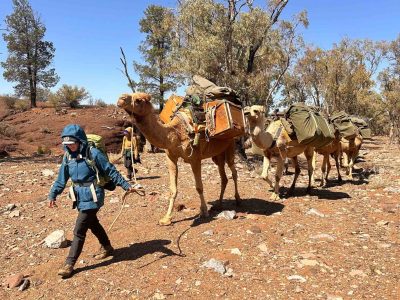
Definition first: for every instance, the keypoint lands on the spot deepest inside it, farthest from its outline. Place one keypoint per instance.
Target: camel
(333, 148)
(349, 149)
(275, 141)
(174, 138)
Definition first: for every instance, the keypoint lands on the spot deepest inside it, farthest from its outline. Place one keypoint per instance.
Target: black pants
(87, 219)
(128, 162)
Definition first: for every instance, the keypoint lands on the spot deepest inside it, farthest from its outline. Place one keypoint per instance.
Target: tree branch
(123, 61)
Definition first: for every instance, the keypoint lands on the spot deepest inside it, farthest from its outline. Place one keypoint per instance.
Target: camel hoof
(165, 221)
(204, 213)
(238, 200)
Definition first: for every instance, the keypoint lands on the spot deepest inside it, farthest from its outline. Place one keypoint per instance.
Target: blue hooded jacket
(82, 174)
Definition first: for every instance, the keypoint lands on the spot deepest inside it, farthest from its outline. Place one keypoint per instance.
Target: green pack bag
(342, 122)
(365, 131)
(97, 141)
(310, 126)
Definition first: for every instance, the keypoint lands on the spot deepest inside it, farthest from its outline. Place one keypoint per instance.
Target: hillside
(39, 129)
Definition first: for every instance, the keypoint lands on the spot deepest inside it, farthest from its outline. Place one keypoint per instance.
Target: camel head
(255, 115)
(136, 104)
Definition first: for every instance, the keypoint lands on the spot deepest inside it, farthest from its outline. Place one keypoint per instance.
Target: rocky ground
(342, 242)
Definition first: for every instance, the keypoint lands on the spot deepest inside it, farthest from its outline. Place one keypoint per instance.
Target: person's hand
(52, 203)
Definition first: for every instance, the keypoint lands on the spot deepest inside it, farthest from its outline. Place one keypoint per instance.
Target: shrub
(45, 130)
(43, 150)
(100, 103)
(72, 96)
(22, 105)
(9, 101)
(7, 130)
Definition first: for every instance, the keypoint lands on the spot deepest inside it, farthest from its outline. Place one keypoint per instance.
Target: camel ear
(141, 96)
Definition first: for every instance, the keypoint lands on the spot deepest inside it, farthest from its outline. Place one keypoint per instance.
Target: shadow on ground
(133, 252)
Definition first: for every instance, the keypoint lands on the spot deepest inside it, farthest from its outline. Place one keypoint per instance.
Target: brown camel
(174, 138)
(349, 149)
(333, 148)
(275, 141)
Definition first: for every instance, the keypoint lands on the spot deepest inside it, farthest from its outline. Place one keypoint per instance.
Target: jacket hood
(77, 132)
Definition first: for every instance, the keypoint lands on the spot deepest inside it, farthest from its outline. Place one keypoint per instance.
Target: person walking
(86, 194)
(130, 151)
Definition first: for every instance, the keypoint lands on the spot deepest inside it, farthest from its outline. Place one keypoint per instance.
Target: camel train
(276, 141)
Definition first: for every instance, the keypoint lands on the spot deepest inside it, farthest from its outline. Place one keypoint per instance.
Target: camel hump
(141, 96)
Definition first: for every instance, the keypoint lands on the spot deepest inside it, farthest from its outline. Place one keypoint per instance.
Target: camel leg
(173, 179)
(278, 176)
(345, 161)
(266, 165)
(230, 159)
(323, 168)
(328, 168)
(196, 168)
(336, 156)
(349, 170)
(296, 175)
(311, 158)
(220, 162)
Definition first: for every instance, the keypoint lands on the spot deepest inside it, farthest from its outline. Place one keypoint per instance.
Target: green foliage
(70, 96)
(29, 56)
(237, 44)
(158, 74)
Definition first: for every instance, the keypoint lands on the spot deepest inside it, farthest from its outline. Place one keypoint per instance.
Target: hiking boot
(104, 252)
(66, 270)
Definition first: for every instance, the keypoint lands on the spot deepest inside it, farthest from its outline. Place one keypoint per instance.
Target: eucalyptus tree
(235, 43)
(390, 86)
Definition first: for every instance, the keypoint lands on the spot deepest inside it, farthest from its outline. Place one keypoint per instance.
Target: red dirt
(352, 251)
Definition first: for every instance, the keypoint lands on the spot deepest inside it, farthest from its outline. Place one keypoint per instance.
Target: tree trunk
(162, 92)
(32, 88)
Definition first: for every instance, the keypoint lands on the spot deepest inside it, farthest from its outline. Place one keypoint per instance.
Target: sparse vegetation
(21, 105)
(7, 130)
(9, 101)
(41, 150)
(46, 130)
(100, 103)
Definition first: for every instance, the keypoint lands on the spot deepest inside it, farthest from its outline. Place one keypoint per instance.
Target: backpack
(97, 141)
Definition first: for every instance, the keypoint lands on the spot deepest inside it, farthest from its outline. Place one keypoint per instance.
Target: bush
(43, 150)
(9, 101)
(22, 105)
(7, 130)
(71, 96)
(45, 130)
(100, 103)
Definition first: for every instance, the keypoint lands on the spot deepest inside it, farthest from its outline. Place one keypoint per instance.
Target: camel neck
(261, 138)
(153, 130)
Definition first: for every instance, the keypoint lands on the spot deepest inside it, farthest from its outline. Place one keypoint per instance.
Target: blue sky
(87, 34)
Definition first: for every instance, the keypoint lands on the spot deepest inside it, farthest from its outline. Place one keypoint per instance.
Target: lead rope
(138, 189)
(133, 167)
